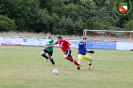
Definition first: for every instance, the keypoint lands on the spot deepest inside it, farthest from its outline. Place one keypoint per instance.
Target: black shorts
(49, 53)
(68, 52)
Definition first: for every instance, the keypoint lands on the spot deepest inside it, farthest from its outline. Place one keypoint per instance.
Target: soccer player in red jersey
(64, 45)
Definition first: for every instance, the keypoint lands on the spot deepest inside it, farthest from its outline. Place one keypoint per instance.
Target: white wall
(124, 46)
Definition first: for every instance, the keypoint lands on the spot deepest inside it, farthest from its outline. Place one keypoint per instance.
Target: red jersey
(64, 44)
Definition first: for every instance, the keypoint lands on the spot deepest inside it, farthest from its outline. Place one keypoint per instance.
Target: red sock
(71, 59)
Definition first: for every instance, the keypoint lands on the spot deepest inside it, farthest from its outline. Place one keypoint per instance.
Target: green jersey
(49, 40)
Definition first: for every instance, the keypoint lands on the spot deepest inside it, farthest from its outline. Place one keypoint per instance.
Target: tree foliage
(61, 16)
(6, 24)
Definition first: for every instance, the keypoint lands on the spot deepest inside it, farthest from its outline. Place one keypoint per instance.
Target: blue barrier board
(101, 45)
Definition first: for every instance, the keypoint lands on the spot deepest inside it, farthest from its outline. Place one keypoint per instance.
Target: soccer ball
(55, 71)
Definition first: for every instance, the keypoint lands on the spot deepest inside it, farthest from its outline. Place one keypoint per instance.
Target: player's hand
(69, 43)
(45, 47)
(91, 51)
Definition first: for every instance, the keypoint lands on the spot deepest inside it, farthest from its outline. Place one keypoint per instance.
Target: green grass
(23, 67)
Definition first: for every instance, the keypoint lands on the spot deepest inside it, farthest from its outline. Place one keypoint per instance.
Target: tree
(25, 13)
(63, 16)
(6, 24)
(129, 25)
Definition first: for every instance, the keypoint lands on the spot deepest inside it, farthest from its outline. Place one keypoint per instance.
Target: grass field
(23, 67)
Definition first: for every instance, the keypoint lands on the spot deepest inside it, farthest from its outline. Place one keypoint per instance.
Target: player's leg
(50, 57)
(72, 58)
(90, 59)
(90, 62)
(43, 54)
(80, 57)
(67, 55)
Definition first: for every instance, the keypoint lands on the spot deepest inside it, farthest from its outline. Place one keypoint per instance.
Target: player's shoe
(53, 64)
(78, 68)
(89, 67)
(45, 60)
(52, 61)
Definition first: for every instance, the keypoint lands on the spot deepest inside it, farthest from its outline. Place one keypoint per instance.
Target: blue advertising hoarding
(41, 42)
(101, 45)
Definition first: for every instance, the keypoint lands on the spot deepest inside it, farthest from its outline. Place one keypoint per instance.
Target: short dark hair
(59, 37)
(48, 32)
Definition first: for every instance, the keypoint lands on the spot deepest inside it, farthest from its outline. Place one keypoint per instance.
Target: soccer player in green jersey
(49, 50)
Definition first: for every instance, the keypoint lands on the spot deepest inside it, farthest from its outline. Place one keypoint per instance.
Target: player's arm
(80, 43)
(90, 51)
(51, 44)
(67, 42)
(55, 43)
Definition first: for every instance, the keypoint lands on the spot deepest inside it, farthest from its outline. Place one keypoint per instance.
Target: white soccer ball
(55, 71)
